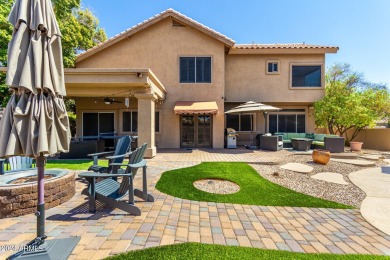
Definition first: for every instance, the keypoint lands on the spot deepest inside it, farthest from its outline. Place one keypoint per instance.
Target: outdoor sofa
(332, 143)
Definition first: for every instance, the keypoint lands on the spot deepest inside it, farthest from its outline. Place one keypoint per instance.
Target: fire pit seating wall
(332, 143)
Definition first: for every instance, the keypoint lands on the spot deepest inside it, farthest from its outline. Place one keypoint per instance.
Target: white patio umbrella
(35, 122)
(252, 106)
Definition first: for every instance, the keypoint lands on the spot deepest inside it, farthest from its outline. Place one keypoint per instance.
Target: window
(96, 123)
(287, 123)
(306, 76)
(195, 69)
(272, 67)
(239, 122)
(157, 121)
(130, 121)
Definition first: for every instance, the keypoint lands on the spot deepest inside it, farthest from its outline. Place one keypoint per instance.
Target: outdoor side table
(301, 144)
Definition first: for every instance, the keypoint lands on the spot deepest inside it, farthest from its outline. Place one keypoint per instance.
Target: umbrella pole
(40, 161)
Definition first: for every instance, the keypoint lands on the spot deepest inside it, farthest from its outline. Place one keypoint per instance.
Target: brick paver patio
(172, 220)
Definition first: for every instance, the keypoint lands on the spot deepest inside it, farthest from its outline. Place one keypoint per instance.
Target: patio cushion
(318, 143)
(296, 135)
(309, 135)
(319, 137)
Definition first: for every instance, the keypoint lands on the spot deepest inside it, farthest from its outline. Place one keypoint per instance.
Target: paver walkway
(172, 220)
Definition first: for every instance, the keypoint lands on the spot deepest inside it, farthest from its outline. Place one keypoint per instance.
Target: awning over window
(191, 107)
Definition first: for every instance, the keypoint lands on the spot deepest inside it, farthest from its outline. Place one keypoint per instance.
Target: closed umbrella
(35, 122)
(252, 106)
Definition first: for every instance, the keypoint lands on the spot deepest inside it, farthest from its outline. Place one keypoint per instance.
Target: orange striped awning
(191, 107)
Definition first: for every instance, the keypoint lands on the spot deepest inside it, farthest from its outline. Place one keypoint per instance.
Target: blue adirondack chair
(111, 192)
(121, 149)
(16, 163)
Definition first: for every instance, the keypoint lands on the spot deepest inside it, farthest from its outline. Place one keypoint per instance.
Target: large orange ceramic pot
(321, 156)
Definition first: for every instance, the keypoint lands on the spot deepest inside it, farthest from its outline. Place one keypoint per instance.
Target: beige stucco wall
(246, 79)
(159, 48)
(376, 138)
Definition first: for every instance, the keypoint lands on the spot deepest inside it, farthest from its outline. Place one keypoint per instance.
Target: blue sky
(360, 28)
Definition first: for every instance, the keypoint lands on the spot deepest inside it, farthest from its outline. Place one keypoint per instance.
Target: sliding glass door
(96, 123)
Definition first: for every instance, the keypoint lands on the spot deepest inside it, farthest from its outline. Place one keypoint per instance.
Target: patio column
(146, 120)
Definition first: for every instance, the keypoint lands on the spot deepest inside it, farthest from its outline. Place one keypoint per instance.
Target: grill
(231, 138)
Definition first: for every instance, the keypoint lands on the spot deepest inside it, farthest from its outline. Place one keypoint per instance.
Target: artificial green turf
(206, 251)
(254, 189)
(73, 164)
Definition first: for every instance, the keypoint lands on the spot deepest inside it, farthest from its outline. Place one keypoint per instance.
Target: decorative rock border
(363, 163)
(21, 200)
(217, 186)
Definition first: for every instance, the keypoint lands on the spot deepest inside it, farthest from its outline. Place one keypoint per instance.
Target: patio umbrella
(252, 106)
(35, 122)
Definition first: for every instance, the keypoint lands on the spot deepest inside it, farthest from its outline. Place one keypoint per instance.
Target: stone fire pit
(21, 198)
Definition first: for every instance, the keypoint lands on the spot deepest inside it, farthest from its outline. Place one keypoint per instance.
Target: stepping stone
(355, 162)
(297, 167)
(330, 177)
(371, 157)
(344, 155)
(387, 160)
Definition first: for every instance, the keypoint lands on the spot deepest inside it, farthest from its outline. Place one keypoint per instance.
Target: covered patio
(92, 87)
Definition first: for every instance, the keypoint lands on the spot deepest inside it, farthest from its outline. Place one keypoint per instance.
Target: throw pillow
(309, 135)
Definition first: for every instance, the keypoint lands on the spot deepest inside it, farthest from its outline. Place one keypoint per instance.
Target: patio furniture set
(301, 142)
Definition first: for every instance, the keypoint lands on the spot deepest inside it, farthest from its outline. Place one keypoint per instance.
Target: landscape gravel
(346, 194)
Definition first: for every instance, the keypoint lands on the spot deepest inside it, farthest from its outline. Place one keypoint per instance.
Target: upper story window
(272, 67)
(306, 76)
(195, 69)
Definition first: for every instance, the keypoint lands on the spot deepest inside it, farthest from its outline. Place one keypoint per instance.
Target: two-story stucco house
(175, 78)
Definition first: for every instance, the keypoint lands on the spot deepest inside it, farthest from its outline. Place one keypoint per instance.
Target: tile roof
(282, 46)
(167, 13)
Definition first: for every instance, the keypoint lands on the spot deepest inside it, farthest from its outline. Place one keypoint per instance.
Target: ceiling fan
(109, 101)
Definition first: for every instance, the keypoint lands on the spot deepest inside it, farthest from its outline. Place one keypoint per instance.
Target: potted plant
(356, 146)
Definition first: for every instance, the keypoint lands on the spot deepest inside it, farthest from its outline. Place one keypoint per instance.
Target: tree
(5, 37)
(350, 102)
(79, 28)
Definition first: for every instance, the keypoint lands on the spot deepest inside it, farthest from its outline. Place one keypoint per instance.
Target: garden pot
(321, 156)
(356, 146)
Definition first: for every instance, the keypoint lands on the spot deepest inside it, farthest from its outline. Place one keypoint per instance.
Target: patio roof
(96, 82)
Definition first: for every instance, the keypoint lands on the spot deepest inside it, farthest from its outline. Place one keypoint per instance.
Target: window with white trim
(195, 69)
(306, 76)
(272, 67)
(240, 122)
